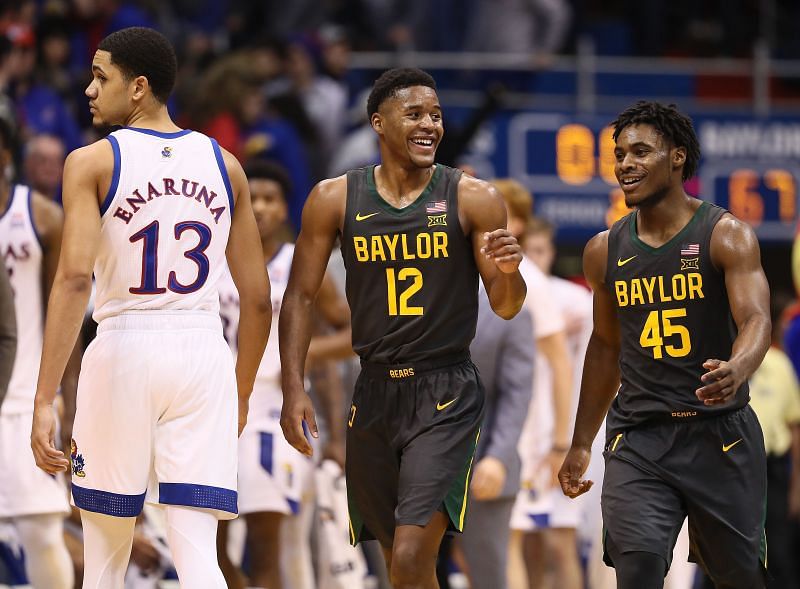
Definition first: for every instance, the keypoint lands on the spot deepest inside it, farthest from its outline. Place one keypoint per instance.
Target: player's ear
(377, 123)
(140, 86)
(678, 156)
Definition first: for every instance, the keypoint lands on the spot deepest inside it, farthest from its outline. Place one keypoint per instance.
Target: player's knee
(741, 579)
(411, 565)
(640, 570)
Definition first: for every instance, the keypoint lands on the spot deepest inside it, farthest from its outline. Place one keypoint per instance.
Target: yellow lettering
(391, 245)
(695, 285)
(636, 292)
(665, 298)
(649, 286)
(423, 245)
(360, 246)
(439, 244)
(622, 292)
(406, 254)
(678, 287)
(377, 249)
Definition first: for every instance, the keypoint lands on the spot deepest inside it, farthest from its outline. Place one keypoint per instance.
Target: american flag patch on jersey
(436, 206)
(690, 249)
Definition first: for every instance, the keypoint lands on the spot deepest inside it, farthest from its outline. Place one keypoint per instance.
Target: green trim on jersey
(372, 189)
(662, 249)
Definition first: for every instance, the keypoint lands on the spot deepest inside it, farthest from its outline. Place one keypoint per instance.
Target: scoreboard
(748, 166)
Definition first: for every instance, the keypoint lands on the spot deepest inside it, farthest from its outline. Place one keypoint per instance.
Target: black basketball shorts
(711, 470)
(411, 437)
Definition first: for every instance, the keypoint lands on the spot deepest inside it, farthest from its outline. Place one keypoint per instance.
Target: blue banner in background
(749, 166)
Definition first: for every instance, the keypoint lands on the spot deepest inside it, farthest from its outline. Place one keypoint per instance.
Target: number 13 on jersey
(658, 326)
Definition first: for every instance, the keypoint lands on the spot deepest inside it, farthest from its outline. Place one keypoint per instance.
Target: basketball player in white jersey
(30, 238)
(275, 480)
(153, 210)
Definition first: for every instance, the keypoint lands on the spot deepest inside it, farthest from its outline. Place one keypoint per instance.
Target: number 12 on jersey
(399, 305)
(659, 326)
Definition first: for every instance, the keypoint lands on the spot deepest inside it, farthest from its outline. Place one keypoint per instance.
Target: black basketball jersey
(673, 313)
(412, 282)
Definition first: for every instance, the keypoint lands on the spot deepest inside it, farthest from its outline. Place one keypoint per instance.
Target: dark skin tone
(649, 171)
(409, 128)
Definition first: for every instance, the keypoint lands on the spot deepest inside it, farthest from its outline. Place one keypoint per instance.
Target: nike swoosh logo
(729, 446)
(440, 406)
(621, 262)
(360, 217)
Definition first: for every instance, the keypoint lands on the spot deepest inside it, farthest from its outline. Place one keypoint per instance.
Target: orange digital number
(745, 200)
(783, 183)
(607, 158)
(575, 154)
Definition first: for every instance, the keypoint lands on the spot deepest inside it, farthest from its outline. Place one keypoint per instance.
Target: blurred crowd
(273, 81)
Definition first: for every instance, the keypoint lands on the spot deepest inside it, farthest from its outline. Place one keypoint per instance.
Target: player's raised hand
(571, 473)
(43, 441)
(721, 382)
(502, 248)
(297, 408)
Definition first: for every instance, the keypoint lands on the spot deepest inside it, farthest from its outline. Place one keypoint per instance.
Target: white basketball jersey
(269, 371)
(165, 224)
(22, 253)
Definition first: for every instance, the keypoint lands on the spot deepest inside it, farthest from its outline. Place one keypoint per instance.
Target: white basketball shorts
(273, 476)
(25, 489)
(156, 416)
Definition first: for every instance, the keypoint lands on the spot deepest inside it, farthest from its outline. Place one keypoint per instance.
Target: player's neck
(401, 185)
(5, 194)
(155, 119)
(270, 247)
(662, 220)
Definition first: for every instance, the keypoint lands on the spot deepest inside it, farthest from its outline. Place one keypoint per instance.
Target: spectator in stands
(43, 163)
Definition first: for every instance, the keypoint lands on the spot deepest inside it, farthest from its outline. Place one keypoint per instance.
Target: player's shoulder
(595, 257)
(95, 157)
(329, 190)
(730, 232)
(474, 189)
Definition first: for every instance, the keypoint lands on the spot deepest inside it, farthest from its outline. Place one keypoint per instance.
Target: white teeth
(629, 181)
(423, 142)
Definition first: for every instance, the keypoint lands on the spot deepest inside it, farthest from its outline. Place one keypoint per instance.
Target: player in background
(274, 478)
(415, 237)
(154, 211)
(545, 433)
(559, 536)
(30, 242)
(681, 321)
(8, 330)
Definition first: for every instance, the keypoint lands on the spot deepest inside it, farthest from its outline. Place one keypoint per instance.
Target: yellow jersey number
(658, 326)
(400, 305)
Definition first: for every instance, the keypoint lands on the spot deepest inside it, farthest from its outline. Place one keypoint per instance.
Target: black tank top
(412, 282)
(673, 313)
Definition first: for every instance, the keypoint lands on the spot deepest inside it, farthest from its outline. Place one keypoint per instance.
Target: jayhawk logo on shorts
(76, 459)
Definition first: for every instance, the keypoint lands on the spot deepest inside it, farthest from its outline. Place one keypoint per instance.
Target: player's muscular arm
(85, 170)
(8, 331)
(735, 251)
(497, 253)
(246, 264)
(321, 222)
(601, 376)
(49, 220)
(333, 308)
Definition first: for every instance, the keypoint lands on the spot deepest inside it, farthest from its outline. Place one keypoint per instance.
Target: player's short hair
(390, 81)
(259, 169)
(539, 226)
(518, 198)
(670, 123)
(140, 51)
